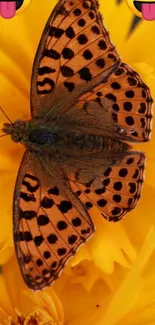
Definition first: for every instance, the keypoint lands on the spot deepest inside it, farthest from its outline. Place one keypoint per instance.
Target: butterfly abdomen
(96, 143)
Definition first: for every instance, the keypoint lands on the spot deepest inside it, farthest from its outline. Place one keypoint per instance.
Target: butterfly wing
(67, 70)
(113, 188)
(120, 107)
(48, 227)
(75, 53)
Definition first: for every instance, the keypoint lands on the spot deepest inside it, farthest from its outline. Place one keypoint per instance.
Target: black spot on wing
(77, 12)
(88, 205)
(82, 39)
(47, 254)
(27, 259)
(95, 29)
(70, 32)
(23, 236)
(132, 187)
(31, 177)
(85, 74)
(29, 185)
(52, 238)
(76, 222)
(66, 71)
(46, 81)
(61, 225)
(27, 197)
(72, 239)
(56, 32)
(39, 262)
(38, 240)
(69, 85)
(81, 22)
(102, 45)
(44, 70)
(100, 63)
(42, 220)
(27, 214)
(61, 251)
(53, 54)
(87, 54)
(54, 191)
(65, 206)
(47, 203)
(67, 53)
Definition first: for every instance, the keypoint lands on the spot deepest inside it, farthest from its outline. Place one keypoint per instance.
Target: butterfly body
(86, 105)
(47, 138)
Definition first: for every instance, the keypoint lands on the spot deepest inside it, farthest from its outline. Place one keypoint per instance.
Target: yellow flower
(121, 298)
(111, 264)
(19, 305)
(125, 297)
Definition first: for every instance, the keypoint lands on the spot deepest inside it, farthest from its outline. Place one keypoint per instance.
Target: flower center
(36, 317)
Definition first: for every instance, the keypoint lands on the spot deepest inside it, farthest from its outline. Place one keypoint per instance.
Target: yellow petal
(47, 302)
(132, 284)
(85, 273)
(6, 251)
(6, 307)
(110, 243)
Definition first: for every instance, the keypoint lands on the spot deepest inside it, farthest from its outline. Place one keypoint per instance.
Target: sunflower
(108, 269)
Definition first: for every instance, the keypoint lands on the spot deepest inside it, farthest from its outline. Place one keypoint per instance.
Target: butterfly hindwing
(75, 53)
(117, 188)
(48, 227)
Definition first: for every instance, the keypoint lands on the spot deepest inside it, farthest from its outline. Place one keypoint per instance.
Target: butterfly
(86, 105)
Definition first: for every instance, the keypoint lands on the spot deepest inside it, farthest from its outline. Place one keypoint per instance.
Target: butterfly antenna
(3, 135)
(5, 115)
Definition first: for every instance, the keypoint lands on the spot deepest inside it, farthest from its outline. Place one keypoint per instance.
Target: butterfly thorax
(35, 135)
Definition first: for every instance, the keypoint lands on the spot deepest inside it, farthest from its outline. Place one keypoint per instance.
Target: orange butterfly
(85, 103)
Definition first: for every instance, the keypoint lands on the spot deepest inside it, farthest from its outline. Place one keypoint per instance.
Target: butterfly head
(17, 130)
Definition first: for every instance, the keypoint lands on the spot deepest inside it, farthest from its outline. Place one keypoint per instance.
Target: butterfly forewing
(48, 228)
(75, 53)
(123, 103)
